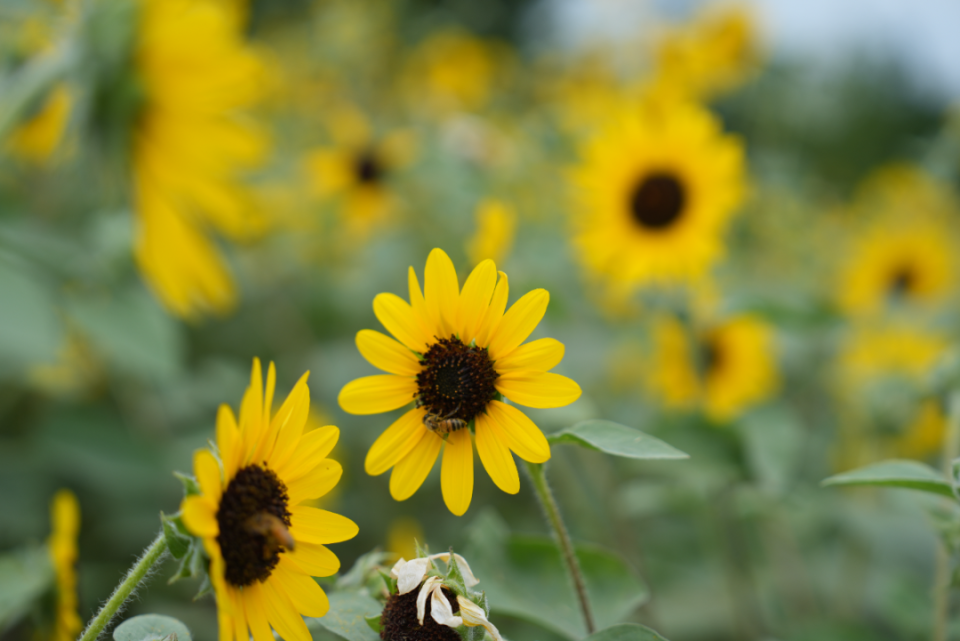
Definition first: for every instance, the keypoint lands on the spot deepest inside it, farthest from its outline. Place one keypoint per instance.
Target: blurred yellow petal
(207, 471)
(288, 424)
(538, 389)
(312, 525)
(385, 353)
(314, 559)
(307, 597)
(316, 483)
(456, 473)
(396, 442)
(199, 515)
(255, 611)
(228, 440)
(441, 292)
(523, 437)
(399, 319)
(539, 355)
(495, 455)
(475, 299)
(376, 394)
(518, 322)
(494, 314)
(313, 446)
(282, 613)
(409, 474)
(268, 394)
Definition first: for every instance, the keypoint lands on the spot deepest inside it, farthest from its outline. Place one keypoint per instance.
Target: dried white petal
(473, 615)
(410, 574)
(441, 611)
(428, 587)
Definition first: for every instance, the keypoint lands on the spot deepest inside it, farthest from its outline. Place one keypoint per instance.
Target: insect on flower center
(368, 168)
(399, 619)
(254, 525)
(456, 381)
(657, 201)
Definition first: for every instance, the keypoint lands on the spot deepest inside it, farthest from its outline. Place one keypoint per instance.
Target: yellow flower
(264, 544)
(496, 223)
(402, 536)
(655, 191)
(36, 139)
(189, 145)
(874, 351)
(65, 519)
(907, 252)
(358, 170)
(725, 369)
(924, 436)
(713, 54)
(456, 352)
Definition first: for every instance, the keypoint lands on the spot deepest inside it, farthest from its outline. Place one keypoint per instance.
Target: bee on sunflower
(457, 356)
(189, 144)
(654, 193)
(263, 543)
(724, 369)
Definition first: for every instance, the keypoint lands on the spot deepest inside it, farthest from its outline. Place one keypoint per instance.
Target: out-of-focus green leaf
(150, 627)
(626, 632)
(618, 440)
(348, 615)
(24, 575)
(772, 440)
(911, 475)
(177, 543)
(132, 333)
(30, 328)
(524, 576)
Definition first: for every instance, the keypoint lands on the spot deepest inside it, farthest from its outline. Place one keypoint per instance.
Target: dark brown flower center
(711, 355)
(902, 281)
(456, 380)
(368, 168)
(399, 619)
(254, 525)
(657, 201)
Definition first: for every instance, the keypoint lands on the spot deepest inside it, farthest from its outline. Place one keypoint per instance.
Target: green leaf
(374, 622)
(524, 576)
(618, 440)
(31, 329)
(25, 574)
(626, 632)
(347, 617)
(148, 627)
(190, 485)
(178, 544)
(911, 475)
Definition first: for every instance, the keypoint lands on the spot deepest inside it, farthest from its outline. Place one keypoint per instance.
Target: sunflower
(264, 544)
(655, 191)
(457, 354)
(358, 170)
(724, 369)
(189, 144)
(65, 519)
(496, 226)
(36, 139)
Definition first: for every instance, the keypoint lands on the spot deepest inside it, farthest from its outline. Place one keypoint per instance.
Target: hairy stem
(150, 557)
(552, 511)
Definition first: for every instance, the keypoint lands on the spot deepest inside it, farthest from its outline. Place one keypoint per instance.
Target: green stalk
(941, 585)
(552, 511)
(150, 557)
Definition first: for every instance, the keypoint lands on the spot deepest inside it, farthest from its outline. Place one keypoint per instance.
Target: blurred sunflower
(923, 437)
(264, 544)
(358, 170)
(65, 520)
(874, 351)
(457, 354)
(190, 143)
(496, 223)
(655, 191)
(724, 370)
(36, 139)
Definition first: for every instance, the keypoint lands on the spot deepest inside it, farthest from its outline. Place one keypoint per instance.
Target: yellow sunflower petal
(251, 414)
(456, 472)
(255, 610)
(376, 394)
(523, 437)
(232, 622)
(228, 440)
(495, 455)
(537, 389)
(539, 355)
(226, 625)
(385, 353)
(288, 424)
(519, 321)
(395, 442)
(494, 314)
(475, 299)
(441, 292)
(268, 394)
(207, 470)
(411, 471)
(307, 597)
(282, 613)
(316, 483)
(200, 516)
(314, 446)
(417, 302)
(314, 559)
(399, 318)
(313, 525)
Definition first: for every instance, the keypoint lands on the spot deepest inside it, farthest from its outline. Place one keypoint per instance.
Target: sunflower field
(429, 320)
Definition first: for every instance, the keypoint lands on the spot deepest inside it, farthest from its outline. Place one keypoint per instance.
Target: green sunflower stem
(941, 587)
(538, 475)
(140, 570)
